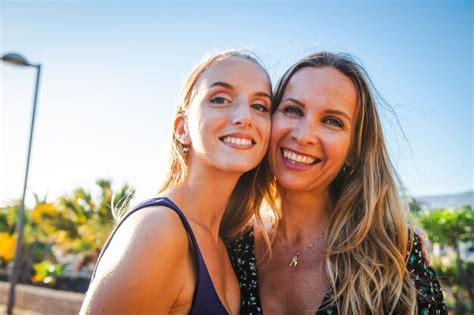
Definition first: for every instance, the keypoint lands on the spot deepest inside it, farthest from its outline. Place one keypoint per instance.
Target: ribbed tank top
(205, 298)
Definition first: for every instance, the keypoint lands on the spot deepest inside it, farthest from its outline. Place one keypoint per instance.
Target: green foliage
(47, 272)
(450, 227)
(415, 206)
(449, 273)
(8, 217)
(74, 223)
(447, 226)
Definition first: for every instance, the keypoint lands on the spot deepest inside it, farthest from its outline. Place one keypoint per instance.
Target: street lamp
(19, 60)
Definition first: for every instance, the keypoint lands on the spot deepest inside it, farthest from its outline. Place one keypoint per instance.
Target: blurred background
(111, 74)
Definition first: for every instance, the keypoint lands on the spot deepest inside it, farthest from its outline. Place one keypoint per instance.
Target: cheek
(203, 126)
(338, 148)
(264, 128)
(208, 120)
(273, 137)
(195, 120)
(280, 127)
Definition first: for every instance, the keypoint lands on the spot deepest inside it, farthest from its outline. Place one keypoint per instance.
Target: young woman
(341, 243)
(167, 255)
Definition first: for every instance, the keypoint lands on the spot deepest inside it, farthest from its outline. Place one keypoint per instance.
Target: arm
(138, 272)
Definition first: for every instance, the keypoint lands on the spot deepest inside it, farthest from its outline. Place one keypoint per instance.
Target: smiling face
(228, 120)
(312, 129)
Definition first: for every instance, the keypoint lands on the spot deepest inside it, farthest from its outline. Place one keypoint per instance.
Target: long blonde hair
(249, 192)
(368, 236)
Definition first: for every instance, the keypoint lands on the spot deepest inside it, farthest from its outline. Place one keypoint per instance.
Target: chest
(292, 290)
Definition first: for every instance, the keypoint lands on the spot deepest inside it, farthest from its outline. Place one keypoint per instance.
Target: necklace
(295, 259)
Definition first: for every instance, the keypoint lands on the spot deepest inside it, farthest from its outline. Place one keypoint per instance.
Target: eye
(293, 111)
(220, 100)
(260, 107)
(333, 122)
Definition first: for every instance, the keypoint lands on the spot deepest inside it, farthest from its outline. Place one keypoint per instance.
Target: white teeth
(298, 158)
(237, 141)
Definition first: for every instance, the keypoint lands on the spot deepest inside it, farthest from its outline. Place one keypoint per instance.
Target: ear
(351, 155)
(181, 129)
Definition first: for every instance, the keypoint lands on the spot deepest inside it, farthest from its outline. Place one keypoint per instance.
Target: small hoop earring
(348, 170)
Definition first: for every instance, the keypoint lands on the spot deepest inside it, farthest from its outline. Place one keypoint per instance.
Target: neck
(305, 215)
(204, 197)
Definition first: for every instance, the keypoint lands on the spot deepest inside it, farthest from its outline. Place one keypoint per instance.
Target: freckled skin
(322, 128)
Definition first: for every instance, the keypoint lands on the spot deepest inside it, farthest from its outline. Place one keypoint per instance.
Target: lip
(297, 167)
(240, 136)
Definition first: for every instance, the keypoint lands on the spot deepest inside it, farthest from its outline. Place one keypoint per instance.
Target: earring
(185, 149)
(182, 139)
(348, 170)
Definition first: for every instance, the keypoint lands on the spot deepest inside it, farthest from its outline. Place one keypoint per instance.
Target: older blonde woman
(341, 242)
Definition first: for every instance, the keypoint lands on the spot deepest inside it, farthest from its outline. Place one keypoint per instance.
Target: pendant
(294, 261)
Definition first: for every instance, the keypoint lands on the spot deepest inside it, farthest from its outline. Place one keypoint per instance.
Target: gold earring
(185, 149)
(348, 170)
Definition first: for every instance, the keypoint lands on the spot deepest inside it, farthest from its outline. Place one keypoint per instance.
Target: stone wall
(42, 300)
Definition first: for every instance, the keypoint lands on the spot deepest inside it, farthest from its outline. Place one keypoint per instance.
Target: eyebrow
(223, 84)
(299, 103)
(263, 94)
(231, 87)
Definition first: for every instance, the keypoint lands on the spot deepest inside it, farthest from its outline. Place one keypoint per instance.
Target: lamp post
(19, 60)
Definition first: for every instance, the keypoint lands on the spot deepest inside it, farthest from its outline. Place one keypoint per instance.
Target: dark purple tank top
(205, 298)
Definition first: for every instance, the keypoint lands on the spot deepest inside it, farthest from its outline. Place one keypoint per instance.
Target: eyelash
(222, 100)
(292, 110)
(219, 100)
(334, 122)
(262, 108)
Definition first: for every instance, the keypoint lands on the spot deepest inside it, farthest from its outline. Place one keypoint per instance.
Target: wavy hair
(250, 190)
(368, 236)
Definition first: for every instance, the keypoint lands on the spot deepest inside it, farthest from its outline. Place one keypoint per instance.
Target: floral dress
(242, 255)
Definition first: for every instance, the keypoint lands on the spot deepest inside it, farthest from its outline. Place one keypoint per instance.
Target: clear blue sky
(113, 69)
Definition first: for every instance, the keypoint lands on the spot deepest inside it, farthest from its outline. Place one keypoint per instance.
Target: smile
(298, 159)
(238, 141)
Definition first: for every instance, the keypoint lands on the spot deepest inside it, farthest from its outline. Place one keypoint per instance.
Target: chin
(234, 167)
(290, 183)
(293, 187)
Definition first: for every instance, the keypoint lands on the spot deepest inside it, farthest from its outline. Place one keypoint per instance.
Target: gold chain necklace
(295, 259)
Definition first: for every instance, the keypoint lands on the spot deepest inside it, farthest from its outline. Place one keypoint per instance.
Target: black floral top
(242, 255)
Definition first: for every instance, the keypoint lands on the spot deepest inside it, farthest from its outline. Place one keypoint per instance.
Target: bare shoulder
(138, 269)
(153, 232)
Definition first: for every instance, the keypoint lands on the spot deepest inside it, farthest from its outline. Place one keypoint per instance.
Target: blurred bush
(452, 231)
(64, 236)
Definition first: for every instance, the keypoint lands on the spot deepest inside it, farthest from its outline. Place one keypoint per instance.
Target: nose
(305, 133)
(242, 114)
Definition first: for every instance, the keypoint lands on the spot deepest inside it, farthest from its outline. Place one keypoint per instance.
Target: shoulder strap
(158, 201)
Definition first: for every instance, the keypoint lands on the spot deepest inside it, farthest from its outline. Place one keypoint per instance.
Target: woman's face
(229, 120)
(312, 129)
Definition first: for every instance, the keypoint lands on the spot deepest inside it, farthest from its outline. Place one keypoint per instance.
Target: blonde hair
(368, 236)
(249, 192)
